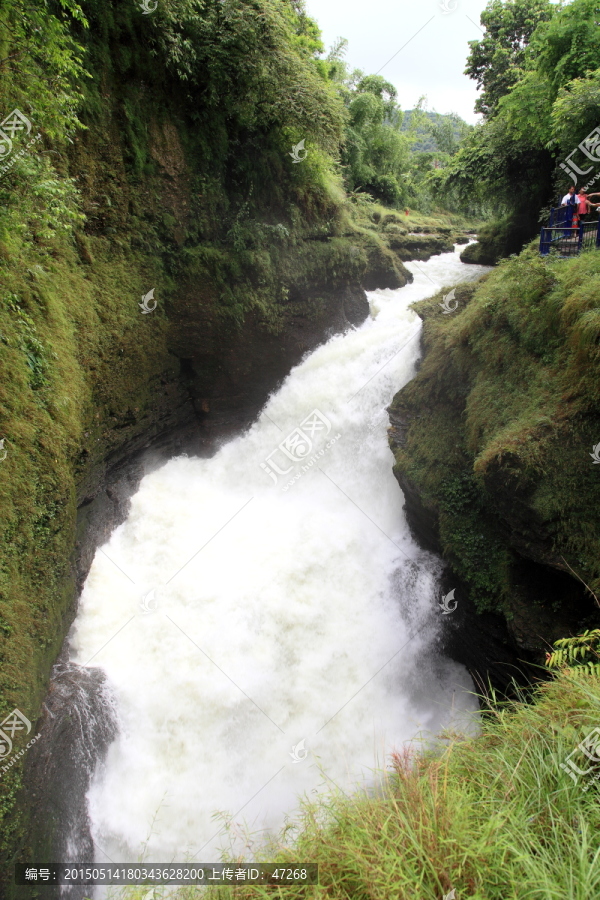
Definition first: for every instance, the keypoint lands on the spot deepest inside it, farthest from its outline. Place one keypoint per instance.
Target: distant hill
(426, 141)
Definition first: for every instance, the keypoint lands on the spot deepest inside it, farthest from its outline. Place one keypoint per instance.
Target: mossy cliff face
(253, 261)
(411, 235)
(500, 238)
(493, 444)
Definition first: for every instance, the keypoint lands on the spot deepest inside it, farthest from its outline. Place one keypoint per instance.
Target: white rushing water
(238, 614)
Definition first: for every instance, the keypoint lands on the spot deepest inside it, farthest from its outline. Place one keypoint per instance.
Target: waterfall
(264, 619)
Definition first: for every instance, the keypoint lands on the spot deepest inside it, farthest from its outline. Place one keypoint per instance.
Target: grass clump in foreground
(494, 817)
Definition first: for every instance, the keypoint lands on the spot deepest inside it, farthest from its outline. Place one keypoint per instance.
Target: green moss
(510, 383)
(498, 239)
(477, 551)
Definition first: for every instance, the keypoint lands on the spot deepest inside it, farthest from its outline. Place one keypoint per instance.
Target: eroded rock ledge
(486, 482)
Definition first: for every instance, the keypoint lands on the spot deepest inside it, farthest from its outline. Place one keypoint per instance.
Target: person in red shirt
(583, 206)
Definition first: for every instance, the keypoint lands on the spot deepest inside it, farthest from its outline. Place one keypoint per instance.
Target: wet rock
(422, 246)
(77, 725)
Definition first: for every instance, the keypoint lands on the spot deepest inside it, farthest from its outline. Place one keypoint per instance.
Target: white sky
(431, 64)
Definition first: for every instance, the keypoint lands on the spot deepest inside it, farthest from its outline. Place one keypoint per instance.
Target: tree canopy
(497, 61)
(538, 66)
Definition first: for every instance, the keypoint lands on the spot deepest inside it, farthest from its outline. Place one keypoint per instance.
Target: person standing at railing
(593, 206)
(583, 207)
(570, 197)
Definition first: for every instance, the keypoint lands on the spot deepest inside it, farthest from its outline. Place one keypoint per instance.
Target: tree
(375, 151)
(448, 132)
(576, 112)
(497, 62)
(41, 63)
(547, 101)
(566, 47)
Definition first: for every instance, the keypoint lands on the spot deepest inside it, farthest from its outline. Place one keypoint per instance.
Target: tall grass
(493, 817)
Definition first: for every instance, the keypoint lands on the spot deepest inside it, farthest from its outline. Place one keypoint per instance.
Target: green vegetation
(434, 132)
(163, 161)
(501, 459)
(375, 152)
(499, 60)
(390, 155)
(538, 66)
(411, 235)
(579, 655)
(493, 817)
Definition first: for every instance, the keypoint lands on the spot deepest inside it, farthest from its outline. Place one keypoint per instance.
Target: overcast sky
(433, 60)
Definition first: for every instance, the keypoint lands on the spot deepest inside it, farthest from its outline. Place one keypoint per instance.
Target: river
(265, 621)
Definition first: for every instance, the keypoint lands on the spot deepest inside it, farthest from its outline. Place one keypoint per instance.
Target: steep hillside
(494, 447)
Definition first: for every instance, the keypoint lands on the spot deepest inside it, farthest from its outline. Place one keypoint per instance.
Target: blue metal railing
(561, 215)
(565, 239)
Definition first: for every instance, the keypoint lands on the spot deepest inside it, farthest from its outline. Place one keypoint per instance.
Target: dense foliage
(579, 655)
(538, 66)
(375, 151)
(386, 154)
(497, 61)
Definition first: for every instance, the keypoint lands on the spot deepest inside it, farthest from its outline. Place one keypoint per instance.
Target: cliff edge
(494, 443)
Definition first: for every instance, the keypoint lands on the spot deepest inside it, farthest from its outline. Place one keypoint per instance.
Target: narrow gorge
(298, 456)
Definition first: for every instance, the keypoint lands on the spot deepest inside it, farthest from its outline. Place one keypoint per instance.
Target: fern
(579, 655)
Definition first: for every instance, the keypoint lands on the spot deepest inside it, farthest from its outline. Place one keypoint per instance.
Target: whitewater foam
(281, 612)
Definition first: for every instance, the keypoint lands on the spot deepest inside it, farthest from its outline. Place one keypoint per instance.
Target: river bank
(499, 475)
(493, 816)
